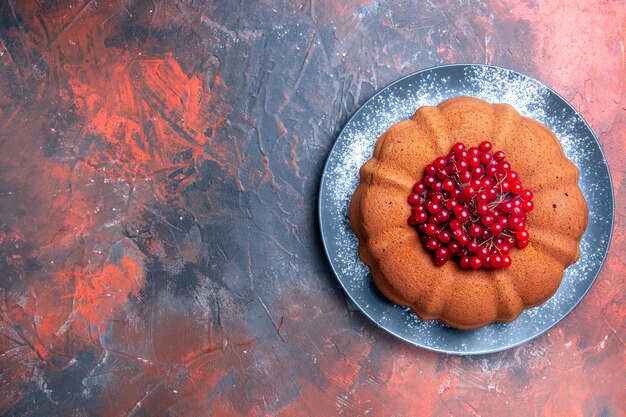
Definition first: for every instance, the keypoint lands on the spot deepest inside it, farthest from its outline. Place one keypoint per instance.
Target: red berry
(432, 219)
(485, 158)
(442, 253)
(465, 262)
(444, 237)
(499, 156)
(528, 205)
(472, 247)
(506, 261)
(507, 206)
(485, 146)
(515, 223)
(496, 229)
(440, 163)
(492, 193)
(513, 175)
(429, 180)
(527, 195)
(454, 224)
(505, 186)
(469, 192)
(474, 161)
(414, 199)
(462, 165)
(431, 229)
(487, 263)
(521, 244)
(504, 167)
(463, 240)
(488, 182)
(487, 220)
(457, 234)
(475, 230)
(418, 218)
(496, 261)
(456, 193)
(482, 252)
(433, 207)
(432, 244)
(465, 176)
(516, 188)
(522, 235)
(482, 198)
(430, 169)
(437, 198)
(458, 147)
(478, 172)
(461, 214)
(452, 204)
(482, 209)
(448, 184)
(454, 247)
(475, 262)
(419, 187)
(443, 215)
(473, 151)
(440, 261)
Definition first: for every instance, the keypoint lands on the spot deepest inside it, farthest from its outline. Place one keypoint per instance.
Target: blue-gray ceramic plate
(430, 87)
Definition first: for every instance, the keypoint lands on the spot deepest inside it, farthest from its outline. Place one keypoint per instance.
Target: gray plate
(430, 87)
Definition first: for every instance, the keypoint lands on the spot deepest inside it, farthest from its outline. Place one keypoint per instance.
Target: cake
(459, 291)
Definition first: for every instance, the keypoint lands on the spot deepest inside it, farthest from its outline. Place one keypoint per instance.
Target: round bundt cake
(413, 262)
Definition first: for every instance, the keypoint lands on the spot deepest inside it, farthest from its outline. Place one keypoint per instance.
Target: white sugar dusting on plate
(399, 101)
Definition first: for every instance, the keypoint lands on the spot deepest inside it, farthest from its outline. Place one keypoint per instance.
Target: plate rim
(323, 236)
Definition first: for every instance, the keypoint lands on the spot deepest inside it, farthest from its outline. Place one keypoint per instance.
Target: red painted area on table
(96, 297)
(159, 112)
(578, 51)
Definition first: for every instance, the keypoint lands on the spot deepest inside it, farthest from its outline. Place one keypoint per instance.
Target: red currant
(440, 163)
(470, 206)
(442, 253)
(485, 158)
(419, 187)
(432, 244)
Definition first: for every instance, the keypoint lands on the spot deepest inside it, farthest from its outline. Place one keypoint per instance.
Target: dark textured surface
(159, 170)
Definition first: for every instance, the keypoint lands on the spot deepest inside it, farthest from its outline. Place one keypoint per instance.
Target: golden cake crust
(402, 267)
